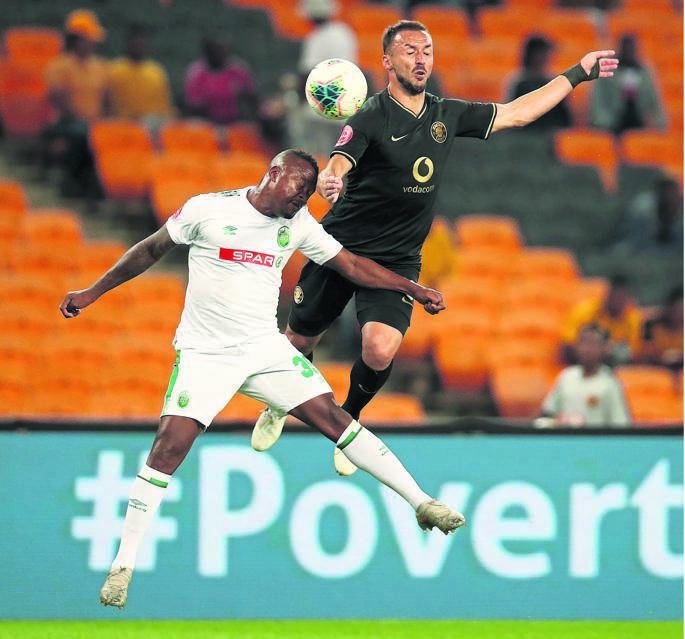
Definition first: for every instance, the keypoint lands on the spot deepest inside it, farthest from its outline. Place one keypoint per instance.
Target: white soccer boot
(114, 592)
(267, 430)
(434, 513)
(343, 466)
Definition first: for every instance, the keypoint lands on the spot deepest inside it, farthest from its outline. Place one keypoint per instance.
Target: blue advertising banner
(558, 528)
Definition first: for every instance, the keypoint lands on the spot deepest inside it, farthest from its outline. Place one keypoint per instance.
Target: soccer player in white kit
(228, 339)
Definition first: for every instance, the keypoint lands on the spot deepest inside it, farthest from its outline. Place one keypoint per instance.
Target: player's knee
(302, 343)
(378, 356)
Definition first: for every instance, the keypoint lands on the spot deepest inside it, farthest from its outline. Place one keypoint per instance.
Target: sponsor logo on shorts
(345, 136)
(439, 131)
(283, 237)
(243, 255)
(298, 295)
(183, 399)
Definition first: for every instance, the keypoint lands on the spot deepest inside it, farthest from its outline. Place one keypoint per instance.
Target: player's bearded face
(411, 58)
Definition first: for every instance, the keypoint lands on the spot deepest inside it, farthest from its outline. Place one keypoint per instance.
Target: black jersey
(398, 159)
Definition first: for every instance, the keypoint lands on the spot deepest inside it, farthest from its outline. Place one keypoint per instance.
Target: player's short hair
(403, 25)
(306, 156)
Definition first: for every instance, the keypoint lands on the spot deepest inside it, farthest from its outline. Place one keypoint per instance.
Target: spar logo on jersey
(250, 257)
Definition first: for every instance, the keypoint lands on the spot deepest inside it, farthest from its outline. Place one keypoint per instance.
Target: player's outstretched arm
(529, 107)
(367, 273)
(135, 261)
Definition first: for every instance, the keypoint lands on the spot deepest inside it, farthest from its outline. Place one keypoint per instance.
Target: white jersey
(596, 400)
(235, 262)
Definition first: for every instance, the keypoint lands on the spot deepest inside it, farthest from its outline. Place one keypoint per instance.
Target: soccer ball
(335, 89)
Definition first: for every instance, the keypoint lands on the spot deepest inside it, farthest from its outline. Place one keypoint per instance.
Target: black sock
(364, 384)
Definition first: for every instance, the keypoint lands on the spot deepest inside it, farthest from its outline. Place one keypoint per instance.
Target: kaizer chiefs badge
(438, 132)
(298, 295)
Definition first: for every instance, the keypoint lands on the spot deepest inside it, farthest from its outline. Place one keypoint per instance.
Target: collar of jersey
(398, 103)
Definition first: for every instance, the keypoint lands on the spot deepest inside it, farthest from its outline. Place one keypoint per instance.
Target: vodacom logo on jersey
(422, 172)
(243, 255)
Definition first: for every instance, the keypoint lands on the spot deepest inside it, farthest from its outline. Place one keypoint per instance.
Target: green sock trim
(154, 482)
(349, 439)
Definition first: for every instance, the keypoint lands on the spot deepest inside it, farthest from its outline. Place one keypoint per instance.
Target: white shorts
(269, 369)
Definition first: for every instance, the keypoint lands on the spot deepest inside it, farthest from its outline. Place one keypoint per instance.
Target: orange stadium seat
(288, 21)
(32, 44)
(569, 25)
(447, 25)
(651, 392)
(372, 18)
(591, 288)
(512, 23)
(518, 391)
(589, 147)
(490, 232)
(460, 348)
(53, 227)
(337, 374)
(241, 409)
(247, 137)
(538, 293)
(168, 194)
(24, 107)
(529, 350)
(546, 263)
(655, 148)
(370, 52)
(236, 170)
(486, 266)
(524, 322)
(418, 340)
(395, 409)
(123, 155)
(13, 199)
(189, 137)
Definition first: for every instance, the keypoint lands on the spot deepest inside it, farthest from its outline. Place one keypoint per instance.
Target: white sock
(147, 492)
(369, 453)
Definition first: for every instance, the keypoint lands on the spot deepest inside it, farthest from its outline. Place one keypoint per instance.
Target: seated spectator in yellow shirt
(78, 89)
(140, 85)
(617, 314)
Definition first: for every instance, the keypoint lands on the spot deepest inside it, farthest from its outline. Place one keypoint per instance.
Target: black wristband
(576, 74)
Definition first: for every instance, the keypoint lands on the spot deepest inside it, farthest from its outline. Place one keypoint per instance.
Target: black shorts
(321, 295)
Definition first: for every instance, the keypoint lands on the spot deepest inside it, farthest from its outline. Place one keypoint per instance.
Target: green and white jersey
(235, 264)
(398, 160)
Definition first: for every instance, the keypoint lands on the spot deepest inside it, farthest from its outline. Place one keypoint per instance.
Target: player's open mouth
(420, 73)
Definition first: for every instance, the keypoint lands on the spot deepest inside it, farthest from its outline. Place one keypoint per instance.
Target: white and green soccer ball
(336, 89)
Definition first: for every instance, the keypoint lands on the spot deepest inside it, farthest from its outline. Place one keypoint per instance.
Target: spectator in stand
(662, 335)
(630, 100)
(653, 222)
(616, 314)
(330, 38)
(533, 74)
(220, 87)
(140, 85)
(79, 92)
(588, 393)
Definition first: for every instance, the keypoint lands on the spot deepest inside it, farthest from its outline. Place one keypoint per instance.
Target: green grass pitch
(339, 629)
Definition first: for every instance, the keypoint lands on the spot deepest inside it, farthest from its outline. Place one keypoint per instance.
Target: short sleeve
(318, 245)
(354, 138)
(183, 225)
(475, 119)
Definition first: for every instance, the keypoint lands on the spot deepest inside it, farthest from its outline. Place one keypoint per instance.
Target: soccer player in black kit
(392, 154)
